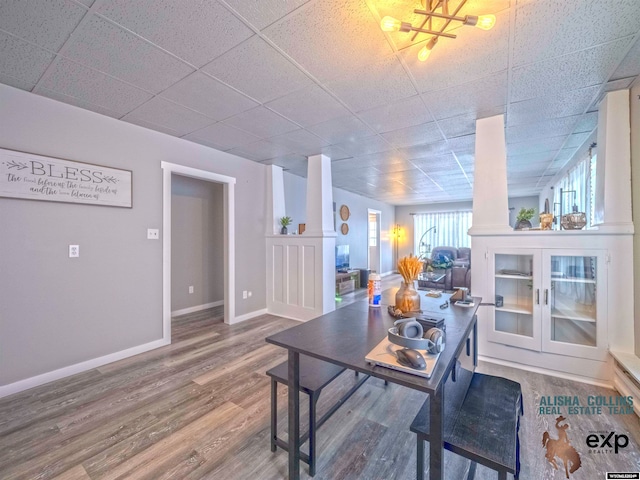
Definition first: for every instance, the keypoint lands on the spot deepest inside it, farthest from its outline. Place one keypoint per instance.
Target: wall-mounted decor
(34, 177)
(344, 228)
(344, 213)
(301, 228)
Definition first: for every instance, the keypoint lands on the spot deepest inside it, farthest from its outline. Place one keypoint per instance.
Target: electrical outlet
(244, 294)
(190, 288)
(153, 234)
(74, 251)
(250, 293)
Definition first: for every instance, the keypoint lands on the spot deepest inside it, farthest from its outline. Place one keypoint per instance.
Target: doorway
(228, 195)
(373, 240)
(197, 242)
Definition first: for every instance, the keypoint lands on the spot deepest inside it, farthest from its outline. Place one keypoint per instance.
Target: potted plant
(524, 217)
(285, 222)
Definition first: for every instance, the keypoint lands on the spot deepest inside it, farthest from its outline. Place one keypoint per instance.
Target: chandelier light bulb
(390, 24)
(486, 22)
(424, 53)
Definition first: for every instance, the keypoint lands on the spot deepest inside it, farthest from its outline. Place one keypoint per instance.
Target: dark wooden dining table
(345, 336)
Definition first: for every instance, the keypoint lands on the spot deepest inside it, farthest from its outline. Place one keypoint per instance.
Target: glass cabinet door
(572, 323)
(516, 320)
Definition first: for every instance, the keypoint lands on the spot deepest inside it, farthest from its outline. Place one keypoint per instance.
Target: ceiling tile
(87, 85)
(402, 113)
(208, 96)
(100, 45)
(79, 103)
(562, 104)
(334, 152)
(330, 48)
(342, 129)
(458, 126)
(473, 55)
(548, 128)
(260, 150)
(587, 123)
(572, 71)
(289, 162)
(549, 28)
(463, 144)
(365, 146)
(374, 84)
(309, 106)
(301, 142)
(630, 65)
(47, 24)
(21, 60)
(480, 98)
(197, 31)
(16, 82)
(261, 122)
(262, 13)
(258, 70)
(168, 114)
(577, 139)
(225, 136)
(533, 145)
(426, 150)
(417, 135)
(159, 128)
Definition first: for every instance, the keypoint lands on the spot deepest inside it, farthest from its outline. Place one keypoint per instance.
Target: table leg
(294, 415)
(475, 340)
(436, 427)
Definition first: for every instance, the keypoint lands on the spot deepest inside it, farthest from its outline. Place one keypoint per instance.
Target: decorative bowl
(573, 221)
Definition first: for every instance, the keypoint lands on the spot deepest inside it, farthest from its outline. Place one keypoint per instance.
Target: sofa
(456, 265)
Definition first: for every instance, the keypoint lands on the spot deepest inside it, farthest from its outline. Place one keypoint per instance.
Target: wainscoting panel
(300, 273)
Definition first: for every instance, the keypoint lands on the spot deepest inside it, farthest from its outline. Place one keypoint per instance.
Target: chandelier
(435, 23)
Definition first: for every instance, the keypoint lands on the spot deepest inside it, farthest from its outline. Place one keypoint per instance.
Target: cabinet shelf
(573, 315)
(514, 308)
(514, 277)
(573, 280)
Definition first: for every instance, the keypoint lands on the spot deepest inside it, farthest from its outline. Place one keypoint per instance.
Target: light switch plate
(153, 233)
(74, 251)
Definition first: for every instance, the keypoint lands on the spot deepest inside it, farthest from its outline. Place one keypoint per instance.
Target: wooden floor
(199, 409)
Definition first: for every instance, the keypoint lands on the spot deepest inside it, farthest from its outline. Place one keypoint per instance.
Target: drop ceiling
(274, 81)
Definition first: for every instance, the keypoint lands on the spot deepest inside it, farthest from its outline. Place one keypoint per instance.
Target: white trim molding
(169, 169)
(47, 377)
(196, 308)
(249, 316)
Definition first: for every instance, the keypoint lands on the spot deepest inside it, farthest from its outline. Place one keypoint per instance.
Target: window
(579, 189)
(450, 231)
(373, 231)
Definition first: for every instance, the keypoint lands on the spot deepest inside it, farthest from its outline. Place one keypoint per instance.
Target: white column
(612, 210)
(275, 199)
(490, 195)
(319, 197)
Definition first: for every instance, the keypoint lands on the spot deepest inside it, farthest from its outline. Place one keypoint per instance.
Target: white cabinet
(549, 300)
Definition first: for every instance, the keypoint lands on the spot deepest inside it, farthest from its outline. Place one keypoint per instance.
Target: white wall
(295, 191)
(55, 311)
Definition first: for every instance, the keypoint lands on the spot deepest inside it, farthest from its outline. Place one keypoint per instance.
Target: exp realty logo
(606, 442)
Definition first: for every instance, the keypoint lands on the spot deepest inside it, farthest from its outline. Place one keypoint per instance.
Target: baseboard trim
(27, 383)
(386, 274)
(544, 371)
(197, 308)
(248, 316)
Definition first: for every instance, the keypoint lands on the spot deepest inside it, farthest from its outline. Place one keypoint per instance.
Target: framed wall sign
(34, 177)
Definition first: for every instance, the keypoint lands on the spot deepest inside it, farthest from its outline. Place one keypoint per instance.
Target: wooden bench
(314, 376)
(481, 423)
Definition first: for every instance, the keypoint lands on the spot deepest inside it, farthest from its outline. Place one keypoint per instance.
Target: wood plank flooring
(199, 409)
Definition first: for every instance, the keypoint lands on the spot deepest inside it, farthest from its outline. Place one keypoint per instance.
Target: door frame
(168, 169)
